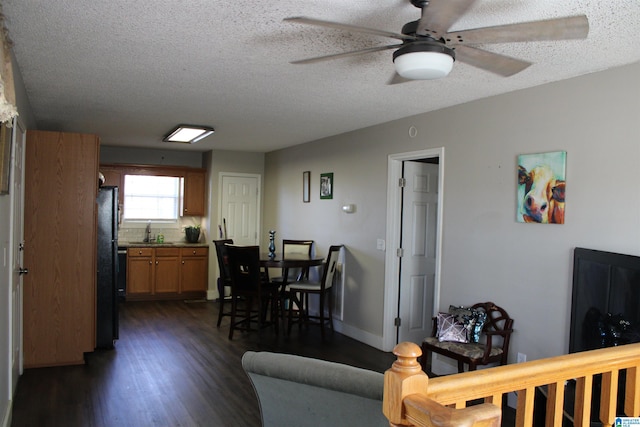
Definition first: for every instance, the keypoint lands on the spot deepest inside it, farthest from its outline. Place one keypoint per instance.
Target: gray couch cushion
(300, 391)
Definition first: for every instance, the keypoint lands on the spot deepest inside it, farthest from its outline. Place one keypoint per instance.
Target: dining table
(287, 261)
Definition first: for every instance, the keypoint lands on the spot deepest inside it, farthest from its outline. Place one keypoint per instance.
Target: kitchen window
(150, 197)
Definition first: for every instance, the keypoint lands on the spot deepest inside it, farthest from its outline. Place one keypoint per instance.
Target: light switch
(380, 245)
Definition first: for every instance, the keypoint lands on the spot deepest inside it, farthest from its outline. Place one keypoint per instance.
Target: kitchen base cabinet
(194, 269)
(167, 272)
(139, 271)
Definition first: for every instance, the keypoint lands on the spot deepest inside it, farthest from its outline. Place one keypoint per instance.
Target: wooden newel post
(405, 377)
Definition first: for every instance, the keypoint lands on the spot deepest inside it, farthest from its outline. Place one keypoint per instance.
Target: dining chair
(251, 287)
(289, 247)
(224, 281)
(299, 291)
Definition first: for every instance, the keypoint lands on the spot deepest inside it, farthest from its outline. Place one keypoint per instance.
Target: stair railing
(413, 399)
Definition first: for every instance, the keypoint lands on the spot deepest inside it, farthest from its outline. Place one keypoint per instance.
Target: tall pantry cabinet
(61, 184)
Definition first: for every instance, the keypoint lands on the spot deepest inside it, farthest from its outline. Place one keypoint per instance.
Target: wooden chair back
(244, 268)
(223, 264)
(498, 324)
(224, 281)
(330, 267)
(291, 246)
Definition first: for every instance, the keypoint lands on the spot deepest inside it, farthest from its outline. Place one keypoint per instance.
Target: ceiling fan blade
(344, 54)
(572, 27)
(348, 27)
(489, 61)
(439, 15)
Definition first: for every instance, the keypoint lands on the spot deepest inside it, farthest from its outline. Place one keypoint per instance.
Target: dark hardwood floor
(170, 367)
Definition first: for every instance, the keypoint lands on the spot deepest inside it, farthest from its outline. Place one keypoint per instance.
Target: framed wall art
(541, 187)
(326, 186)
(306, 186)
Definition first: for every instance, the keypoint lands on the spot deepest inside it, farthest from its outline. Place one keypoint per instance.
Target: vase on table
(272, 244)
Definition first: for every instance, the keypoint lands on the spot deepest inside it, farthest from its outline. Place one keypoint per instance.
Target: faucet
(147, 232)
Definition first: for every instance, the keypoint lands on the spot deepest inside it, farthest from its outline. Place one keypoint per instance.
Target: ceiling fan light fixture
(423, 60)
(188, 133)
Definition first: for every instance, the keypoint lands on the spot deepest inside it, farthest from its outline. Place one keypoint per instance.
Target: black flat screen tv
(605, 306)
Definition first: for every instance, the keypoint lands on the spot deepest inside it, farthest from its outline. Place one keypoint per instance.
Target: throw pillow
(472, 319)
(481, 318)
(449, 329)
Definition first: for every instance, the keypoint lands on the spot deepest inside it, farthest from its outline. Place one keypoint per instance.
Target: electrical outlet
(380, 245)
(522, 357)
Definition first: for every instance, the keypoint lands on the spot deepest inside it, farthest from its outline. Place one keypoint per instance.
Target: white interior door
(240, 196)
(17, 244)
(419, 244)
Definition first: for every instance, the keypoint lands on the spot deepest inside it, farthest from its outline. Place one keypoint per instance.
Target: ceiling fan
(428, 50)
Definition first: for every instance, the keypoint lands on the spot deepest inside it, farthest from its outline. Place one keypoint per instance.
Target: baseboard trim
(368, 338)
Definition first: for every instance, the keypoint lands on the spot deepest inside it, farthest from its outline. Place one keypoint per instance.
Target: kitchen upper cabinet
(59, 306)
(194, 269)
(193, 194)
(194, 189)
(114, 177)
(167, 272)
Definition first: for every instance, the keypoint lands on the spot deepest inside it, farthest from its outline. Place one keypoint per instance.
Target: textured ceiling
(131, 70)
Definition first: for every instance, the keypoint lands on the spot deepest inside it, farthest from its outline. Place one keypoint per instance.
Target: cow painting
(541, 188)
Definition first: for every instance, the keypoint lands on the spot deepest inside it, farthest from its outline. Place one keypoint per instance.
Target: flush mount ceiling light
(423, 60)
(188, 133)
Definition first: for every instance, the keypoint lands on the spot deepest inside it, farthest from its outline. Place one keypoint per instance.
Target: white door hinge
(399, 252)
(402, 183)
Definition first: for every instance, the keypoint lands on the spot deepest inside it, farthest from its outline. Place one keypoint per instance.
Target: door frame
(16, 238)
(393, 238)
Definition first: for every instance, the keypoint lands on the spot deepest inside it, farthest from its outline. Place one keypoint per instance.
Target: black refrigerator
(106, 295)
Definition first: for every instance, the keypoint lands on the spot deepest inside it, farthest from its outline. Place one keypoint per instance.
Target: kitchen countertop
(160, 245)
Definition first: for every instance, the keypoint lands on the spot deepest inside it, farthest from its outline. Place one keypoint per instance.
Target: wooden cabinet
(194, 269)
(193, 197)
(140, 271)
(167, 272)
(61, 184)
(114, 177)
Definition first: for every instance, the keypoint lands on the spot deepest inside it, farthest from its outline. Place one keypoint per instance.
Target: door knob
(23, 270)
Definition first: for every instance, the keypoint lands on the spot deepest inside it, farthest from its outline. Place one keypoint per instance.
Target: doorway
(413, 262)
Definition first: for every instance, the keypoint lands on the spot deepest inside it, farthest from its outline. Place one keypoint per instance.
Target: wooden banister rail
(412, 399)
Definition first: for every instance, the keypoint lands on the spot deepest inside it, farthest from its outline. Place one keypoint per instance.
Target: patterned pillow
(481, 318)
(465, 316)
(449, 329)
(472, 319)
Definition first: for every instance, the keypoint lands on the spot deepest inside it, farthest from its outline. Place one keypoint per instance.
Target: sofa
(305, 392)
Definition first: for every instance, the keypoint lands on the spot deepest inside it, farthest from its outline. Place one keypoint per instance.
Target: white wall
(487, 255)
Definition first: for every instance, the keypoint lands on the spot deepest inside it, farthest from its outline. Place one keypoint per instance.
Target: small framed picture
(326, 186)
(306, 186)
